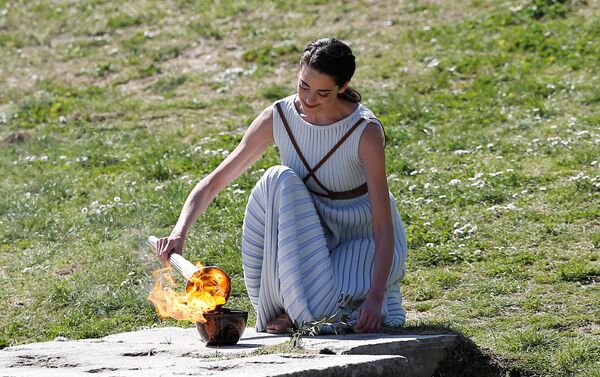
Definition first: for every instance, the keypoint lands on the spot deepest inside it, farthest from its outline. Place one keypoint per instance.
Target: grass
(110, 114)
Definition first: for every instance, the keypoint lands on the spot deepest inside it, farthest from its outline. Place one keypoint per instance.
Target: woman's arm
(253, 144)
(372, 155)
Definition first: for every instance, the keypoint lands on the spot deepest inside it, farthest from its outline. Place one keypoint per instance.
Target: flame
(204, 292)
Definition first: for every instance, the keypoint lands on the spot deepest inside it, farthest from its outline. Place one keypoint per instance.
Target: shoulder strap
(358, 191)
(297, 148)
(311, 172)
(291, 136)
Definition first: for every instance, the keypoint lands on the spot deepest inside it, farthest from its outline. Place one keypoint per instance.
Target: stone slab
(176, 351)
(289, 365)
(423, 352)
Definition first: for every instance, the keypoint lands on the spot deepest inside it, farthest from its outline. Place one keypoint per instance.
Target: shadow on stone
(469, 360)
(465, 358)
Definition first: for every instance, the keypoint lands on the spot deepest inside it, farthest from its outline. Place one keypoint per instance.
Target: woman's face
(316, 91)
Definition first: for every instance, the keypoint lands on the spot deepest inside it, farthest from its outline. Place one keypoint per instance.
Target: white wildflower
(433, 62)
(429, 244)
(84, 210)
(159, 187)
(476, 177)
(62, 119)
(454, 182)
(460, 152)
(578, 177)
(543, 188)
(478, 184)
(116, 199)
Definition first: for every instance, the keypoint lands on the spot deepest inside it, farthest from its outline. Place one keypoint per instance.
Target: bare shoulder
(266, 116)
(261, 129)
(371, 139)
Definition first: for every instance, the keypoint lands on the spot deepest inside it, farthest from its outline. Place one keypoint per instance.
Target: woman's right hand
(168, 245)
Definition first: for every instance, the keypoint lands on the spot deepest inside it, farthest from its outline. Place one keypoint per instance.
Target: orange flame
(204, 293)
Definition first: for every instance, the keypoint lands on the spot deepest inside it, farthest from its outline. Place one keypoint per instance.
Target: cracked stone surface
(173, 351)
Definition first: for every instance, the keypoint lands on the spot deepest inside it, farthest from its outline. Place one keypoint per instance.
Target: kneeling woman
(323, 222)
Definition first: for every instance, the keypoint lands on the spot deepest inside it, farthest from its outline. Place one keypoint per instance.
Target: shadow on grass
(466, 359)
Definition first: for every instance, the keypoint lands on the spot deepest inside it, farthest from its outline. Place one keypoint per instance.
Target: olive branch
(338, 323)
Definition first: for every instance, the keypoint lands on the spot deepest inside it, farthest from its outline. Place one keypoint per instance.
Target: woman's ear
(343, 88)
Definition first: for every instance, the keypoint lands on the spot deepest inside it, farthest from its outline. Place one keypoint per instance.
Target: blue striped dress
(301, 250)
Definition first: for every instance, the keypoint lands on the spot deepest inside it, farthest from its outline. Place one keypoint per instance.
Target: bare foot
(279, 325)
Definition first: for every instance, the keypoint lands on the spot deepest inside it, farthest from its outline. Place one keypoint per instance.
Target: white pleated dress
(301, 250)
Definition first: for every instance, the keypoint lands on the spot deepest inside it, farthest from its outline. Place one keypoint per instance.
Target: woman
(322, 223)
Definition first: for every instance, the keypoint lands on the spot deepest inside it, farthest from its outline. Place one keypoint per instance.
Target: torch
(210, 279)
(207, 288)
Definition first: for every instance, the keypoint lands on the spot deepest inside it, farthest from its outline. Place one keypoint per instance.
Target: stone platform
(173, 351)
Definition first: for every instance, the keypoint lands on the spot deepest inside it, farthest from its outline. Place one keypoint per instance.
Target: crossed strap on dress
(335, 195)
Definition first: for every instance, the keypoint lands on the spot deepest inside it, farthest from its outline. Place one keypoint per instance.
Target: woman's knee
(278, 172)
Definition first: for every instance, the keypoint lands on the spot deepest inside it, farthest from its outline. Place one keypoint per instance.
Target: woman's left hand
(369, 315)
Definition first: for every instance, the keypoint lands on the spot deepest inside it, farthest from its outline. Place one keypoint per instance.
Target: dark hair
(333, 58)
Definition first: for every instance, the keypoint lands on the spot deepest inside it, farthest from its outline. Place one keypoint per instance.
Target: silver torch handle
(182, 265)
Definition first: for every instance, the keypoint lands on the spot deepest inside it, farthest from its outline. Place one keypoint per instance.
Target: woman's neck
(338, 110)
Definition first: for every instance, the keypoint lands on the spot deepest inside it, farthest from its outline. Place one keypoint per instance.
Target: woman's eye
(323, 95)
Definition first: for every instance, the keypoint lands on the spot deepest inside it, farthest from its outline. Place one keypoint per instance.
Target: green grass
(109, 115)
